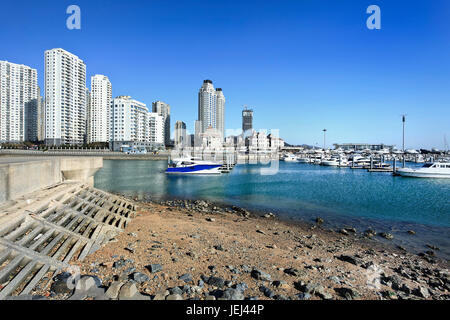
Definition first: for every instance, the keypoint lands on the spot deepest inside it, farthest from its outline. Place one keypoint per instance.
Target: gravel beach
(178, 250)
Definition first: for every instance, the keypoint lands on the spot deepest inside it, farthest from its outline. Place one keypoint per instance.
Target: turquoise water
(301, 191)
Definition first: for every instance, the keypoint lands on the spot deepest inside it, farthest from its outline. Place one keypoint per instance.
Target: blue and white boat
(193, 166)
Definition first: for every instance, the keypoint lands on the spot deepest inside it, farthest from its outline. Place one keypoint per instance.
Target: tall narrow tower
(247, 119)
(211, 107)
(163, 109)
(99, 119)
(65, 98)
(220, 109)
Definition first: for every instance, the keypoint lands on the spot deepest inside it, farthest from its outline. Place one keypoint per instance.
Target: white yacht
(335, 162)
(193, 166)
(303, 160)
(290, 158)
(429, 170)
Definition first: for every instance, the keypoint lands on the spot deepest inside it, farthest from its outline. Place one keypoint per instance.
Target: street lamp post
(404, 120)
(324, 138)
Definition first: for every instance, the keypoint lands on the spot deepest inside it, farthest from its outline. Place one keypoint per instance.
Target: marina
(341, 196)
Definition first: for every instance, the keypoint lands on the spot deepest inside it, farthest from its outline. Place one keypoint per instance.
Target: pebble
(261, 275)
(153, 268)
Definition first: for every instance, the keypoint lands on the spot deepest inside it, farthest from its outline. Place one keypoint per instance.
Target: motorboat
(193, 166)
(303, 160)
(429, 170)
(290, 158)
(335, 162)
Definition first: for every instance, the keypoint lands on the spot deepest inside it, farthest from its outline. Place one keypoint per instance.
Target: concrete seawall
(19, 176)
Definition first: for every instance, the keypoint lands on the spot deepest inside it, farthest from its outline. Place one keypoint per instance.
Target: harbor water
(341, 196)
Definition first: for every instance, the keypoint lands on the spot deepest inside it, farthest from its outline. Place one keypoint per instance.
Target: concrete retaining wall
(18, 178)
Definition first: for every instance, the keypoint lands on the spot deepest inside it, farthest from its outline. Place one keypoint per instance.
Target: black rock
(347, 293)
(187, 277)
(216, 282)
(293, 272)
(349, 259)
(232, 294)
(63, 283)
(153, 268)
(260, 275)
(266, 291)
(139, 277)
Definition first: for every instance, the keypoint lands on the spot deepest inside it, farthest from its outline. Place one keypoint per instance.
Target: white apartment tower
(133, 125)
(18, 98)
(99, 109)
(156, 129)
(220, 107)
(211, 107)
(65, 98)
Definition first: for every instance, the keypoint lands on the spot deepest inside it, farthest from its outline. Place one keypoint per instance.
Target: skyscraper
(220, 108)
(163, 109)
(180, 133)
(99, 109)
(18, 98)
(247, 120)
(211, 107)
(65, 98)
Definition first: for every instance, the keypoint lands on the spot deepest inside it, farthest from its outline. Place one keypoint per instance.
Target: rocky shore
(178, 250)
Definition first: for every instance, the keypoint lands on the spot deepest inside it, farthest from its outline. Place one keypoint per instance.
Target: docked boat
(193, 166)
(335, 162)
(429, 170)
(303, 160)
(290, 158)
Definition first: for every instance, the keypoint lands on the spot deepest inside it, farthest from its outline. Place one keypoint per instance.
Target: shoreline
(208, 252)
(417, 245)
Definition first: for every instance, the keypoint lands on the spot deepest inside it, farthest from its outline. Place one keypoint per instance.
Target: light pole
(324, 136)
(404, 120)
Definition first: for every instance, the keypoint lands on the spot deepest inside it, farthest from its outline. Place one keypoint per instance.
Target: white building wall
(100, 109)
(65, 98)
(156, 128)
(18, 94)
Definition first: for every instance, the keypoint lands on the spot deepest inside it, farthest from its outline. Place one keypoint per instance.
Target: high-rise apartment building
(99, 112)
(211, 107)
(220, 109)
(180, 133)
(134, 126)
(163, 109)
(247, 120)
(65, 98)
(18, 99)
(156, 129)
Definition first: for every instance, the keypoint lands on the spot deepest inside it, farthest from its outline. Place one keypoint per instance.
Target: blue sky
(303, 65)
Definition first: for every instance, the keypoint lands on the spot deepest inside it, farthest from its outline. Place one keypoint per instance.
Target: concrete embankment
(20, 175)
(49, 215)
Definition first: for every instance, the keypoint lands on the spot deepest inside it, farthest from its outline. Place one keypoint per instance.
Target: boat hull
(421, 174)
(195, 169)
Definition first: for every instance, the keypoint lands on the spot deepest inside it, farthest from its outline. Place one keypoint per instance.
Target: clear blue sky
(304, 65)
